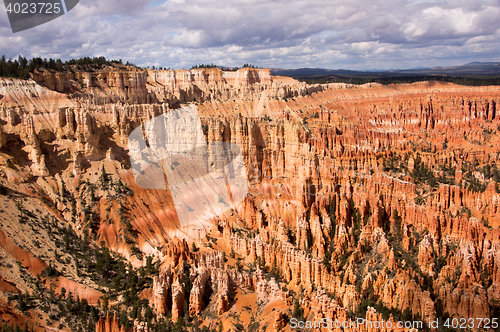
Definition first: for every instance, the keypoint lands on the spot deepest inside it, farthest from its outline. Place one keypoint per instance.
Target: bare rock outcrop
(109, 324)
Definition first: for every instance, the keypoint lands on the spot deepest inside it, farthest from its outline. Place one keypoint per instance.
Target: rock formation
(109, 324)
(371, 201)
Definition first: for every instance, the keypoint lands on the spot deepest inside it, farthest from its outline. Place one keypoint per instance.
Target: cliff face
(104, 86)
(332, 212)
(172, 86)
(371, 201)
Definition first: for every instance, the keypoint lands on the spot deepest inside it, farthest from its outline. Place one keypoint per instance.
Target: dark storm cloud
(350, 34)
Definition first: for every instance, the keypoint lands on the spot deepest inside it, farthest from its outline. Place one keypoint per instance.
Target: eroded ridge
(375, 202)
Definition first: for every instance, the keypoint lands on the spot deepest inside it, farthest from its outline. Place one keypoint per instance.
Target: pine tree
(356, 225)
(2, 65)
(297, 310)
(104, 178)
(149, 265)
(333, 217)
(148, 316)
(69, 302)
(22, 303)
(105, 303)
(67, 238)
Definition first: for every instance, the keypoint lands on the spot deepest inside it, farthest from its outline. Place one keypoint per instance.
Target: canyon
(371, 201)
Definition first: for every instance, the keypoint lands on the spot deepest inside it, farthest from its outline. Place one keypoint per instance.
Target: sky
(338, 34)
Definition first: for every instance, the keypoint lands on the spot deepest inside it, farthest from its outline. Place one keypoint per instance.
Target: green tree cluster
(22, 67)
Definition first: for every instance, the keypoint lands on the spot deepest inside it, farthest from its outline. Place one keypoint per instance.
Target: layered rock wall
(385, 194)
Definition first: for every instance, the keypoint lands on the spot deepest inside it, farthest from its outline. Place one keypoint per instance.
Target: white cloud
(351, 34)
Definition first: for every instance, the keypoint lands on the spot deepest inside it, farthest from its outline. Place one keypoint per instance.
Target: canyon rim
(371, 201)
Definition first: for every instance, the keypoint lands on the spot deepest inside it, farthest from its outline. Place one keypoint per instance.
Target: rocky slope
(372, 201)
